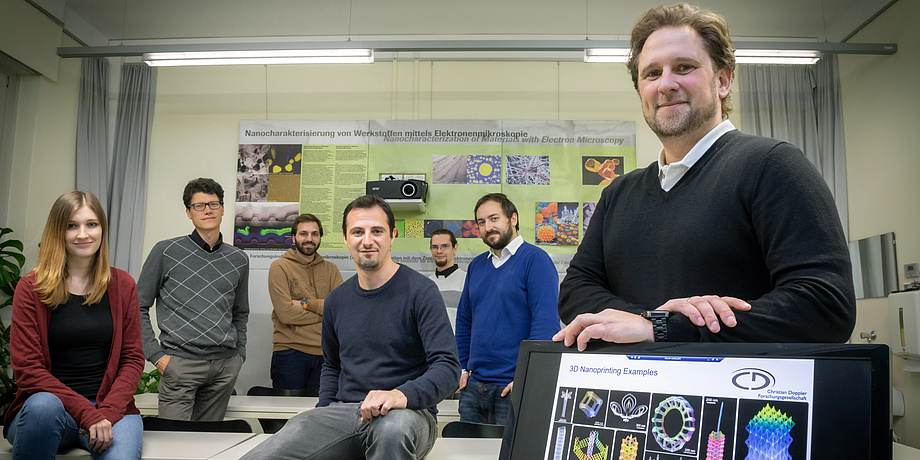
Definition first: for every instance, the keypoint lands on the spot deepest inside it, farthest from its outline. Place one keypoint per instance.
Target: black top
(79, 340)
(447, 271)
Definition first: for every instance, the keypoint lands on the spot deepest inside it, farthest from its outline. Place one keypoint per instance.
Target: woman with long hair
(75, 342)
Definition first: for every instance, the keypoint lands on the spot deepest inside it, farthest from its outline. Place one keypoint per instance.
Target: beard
(685, 122)
(505, 237)
(440, 263)
(307, 251)
(367, 264)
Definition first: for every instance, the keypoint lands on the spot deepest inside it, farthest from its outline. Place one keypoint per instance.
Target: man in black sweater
(727, 237)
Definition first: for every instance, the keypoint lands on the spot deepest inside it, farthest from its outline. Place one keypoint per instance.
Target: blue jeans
(335, 432)
(43, 427)
(295, 370)
(483, 403)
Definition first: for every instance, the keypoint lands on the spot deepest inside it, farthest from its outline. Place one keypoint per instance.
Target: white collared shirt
(507, 252)
(670, 174)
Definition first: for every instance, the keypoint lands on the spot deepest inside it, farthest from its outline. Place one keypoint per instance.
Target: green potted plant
(11, 262)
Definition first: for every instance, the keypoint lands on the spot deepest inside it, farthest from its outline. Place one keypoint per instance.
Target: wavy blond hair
(51, 269)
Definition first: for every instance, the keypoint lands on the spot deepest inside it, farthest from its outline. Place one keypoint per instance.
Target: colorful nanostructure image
(556, 223)
(484, 169)
(527, 169)
(627, 408)
(415, 228)
(262, 238)
(768, 435)
(590, 448)
(590, 404)
(673, 406)
(601, 170)
(274, 215)
(455, 226)
(715, 448)
(469, 229)
(629, 448)
(285, 159)
(559, 450)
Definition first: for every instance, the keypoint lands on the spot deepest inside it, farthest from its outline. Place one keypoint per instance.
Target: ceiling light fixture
(260, 57)
(742, 56)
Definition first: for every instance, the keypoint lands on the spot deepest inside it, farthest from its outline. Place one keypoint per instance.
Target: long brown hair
(51, 269)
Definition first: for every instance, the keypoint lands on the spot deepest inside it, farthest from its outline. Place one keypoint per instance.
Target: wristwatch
(659, 319)
(304, 303)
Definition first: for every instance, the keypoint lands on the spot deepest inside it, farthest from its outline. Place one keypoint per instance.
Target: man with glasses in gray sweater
(201, 289)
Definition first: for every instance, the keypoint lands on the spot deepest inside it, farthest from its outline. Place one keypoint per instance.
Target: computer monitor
(681, 401)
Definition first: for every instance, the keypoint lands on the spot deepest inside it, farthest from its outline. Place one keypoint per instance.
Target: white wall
(882, 115)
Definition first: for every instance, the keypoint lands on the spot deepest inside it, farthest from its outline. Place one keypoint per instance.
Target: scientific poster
(554, 170)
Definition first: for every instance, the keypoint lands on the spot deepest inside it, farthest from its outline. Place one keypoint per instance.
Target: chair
(223, 426)
(272, 425)
(472, 430)
(266, 391)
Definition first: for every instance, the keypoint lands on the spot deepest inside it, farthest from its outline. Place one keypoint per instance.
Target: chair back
(267, 391)
(472, 430)
(223, 426)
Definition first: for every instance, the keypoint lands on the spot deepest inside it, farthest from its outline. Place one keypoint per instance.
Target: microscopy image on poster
(556, 223)
(601, 170)
(587, 211)
(527, 169)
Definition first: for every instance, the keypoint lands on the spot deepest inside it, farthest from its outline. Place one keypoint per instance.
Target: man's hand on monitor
(710, 311)
(609, 325)
(378, 402)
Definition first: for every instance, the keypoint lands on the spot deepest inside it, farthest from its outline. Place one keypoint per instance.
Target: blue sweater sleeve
(542, 296)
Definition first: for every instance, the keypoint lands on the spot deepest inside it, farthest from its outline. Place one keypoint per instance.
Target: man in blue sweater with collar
(389, 356)
(510, 295)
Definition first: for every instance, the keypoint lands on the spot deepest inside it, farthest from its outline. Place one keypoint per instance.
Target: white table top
(175, 445)
(444, 449)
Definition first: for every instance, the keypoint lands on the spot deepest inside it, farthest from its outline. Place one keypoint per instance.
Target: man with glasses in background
(201, 288)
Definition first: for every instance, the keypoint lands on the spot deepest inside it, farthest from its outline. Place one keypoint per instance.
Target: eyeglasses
(200, 206)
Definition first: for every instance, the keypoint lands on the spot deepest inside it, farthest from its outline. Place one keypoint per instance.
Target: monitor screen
(681, 401)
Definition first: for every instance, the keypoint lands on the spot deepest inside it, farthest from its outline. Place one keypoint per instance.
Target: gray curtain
(128, 180)
(92, 161)
(800, 105)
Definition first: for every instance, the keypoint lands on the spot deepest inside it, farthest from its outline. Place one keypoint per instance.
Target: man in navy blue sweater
(389, 356)
(510, 295)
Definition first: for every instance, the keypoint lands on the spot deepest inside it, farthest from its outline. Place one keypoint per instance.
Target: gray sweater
(202, 300)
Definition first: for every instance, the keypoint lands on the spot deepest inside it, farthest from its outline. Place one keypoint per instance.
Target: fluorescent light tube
(260, 57)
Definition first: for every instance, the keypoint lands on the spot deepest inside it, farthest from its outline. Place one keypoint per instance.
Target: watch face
(656, 314)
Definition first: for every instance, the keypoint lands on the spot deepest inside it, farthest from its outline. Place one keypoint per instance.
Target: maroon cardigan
(31, 358)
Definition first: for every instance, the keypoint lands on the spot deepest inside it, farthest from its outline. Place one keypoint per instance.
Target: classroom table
(444, 449)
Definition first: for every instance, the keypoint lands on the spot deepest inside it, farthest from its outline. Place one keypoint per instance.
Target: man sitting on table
(390, 356)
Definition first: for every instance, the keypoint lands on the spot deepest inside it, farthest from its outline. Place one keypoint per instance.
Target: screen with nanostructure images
(632, 407)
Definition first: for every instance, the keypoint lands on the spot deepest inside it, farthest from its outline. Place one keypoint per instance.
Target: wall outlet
(912, 270)
(414, 176)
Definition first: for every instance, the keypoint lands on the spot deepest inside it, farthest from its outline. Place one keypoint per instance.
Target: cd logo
(752, 379)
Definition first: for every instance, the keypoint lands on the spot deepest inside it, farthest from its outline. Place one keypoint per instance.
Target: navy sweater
(394, 337)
